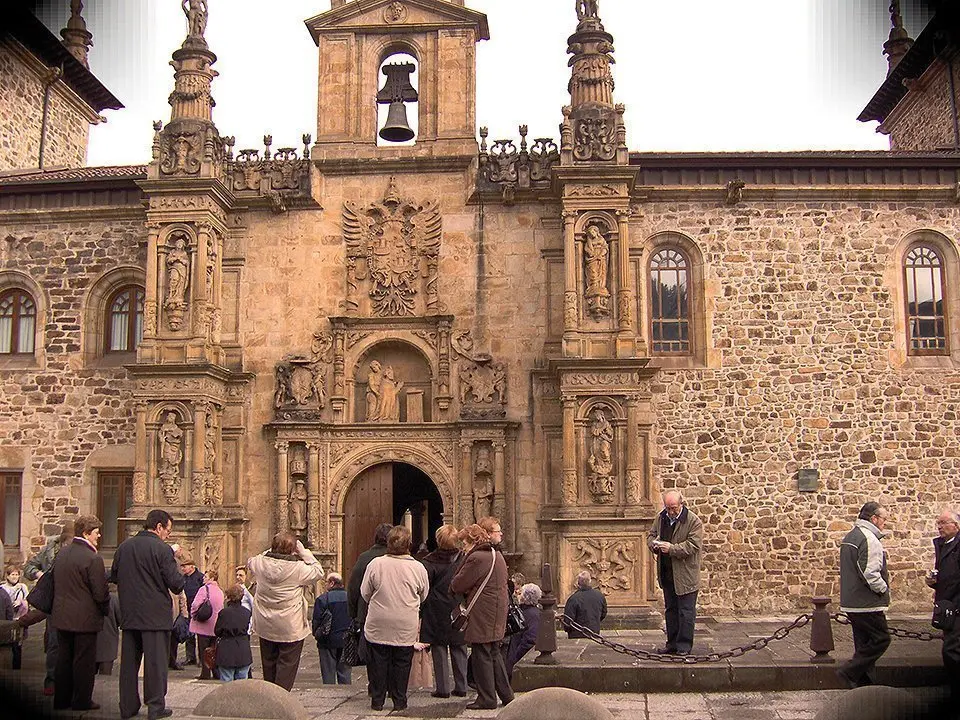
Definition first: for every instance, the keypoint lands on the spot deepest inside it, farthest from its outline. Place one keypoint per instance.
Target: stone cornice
(380, 166)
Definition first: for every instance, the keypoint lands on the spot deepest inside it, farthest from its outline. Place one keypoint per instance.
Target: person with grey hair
(330, 644)
(521, 642)
(676, 540)
(945, 581)
(865, 593)
(587, 607)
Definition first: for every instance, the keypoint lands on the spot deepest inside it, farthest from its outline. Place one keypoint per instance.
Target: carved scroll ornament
(610, 562)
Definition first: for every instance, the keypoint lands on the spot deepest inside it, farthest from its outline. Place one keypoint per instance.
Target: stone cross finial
(899, 42)
(76, 38)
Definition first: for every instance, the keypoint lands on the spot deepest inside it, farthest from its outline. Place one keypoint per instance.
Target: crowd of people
(396, 613)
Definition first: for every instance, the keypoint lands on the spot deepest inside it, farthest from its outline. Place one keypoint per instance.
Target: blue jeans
(332, 669)
(234, 673)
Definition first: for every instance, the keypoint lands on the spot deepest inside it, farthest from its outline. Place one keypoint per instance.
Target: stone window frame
(10, 479)
(131, 341)
(16, 280)
(896, 281)
(96, 316)
(698, 321)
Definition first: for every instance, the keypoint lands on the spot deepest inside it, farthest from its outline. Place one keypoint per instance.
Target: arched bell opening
(396, 493)
(398, 106)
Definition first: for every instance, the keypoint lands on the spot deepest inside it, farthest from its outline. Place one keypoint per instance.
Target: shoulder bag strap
(476, 596)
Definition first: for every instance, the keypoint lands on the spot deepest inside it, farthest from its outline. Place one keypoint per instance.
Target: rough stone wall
(803, 318)
(927, 122)
(21, 118)
(56, 413)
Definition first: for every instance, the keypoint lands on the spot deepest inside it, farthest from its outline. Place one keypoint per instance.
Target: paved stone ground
(777, 664)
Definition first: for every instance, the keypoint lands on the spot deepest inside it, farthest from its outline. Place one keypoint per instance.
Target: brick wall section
(928, 120)
(60, 413)
(804, 321)
(21, 117)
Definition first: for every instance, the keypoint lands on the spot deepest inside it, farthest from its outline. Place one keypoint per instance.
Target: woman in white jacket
(281, 609)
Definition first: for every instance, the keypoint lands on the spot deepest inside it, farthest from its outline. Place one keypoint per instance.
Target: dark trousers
(153, 646)
(174, 648)
(870, 640)
(332, 668)
(191, 644)
(951, 660)
(680, 613)
(441, 668)
(490, 674)
(388, 671)
(280, 661)
(50, 648)
(75, 671)
(105, 668)
(203, 642)
(17, 656)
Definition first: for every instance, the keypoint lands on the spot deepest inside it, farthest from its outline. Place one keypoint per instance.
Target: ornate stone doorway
(393, 492)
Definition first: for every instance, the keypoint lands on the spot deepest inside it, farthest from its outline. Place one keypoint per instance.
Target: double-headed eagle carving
(393, 243)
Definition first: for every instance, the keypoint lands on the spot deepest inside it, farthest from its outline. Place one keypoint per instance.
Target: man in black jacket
(146, 572)
(80, 601)
(945, 580)
(587, 606)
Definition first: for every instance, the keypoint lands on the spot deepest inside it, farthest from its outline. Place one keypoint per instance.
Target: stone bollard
(547, 632)
(251, 699)
(821, 633)
(555, 703)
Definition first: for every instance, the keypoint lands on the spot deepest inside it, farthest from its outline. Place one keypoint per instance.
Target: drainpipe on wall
(52, 77)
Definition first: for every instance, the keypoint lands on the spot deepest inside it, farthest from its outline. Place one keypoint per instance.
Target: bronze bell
(397, 91)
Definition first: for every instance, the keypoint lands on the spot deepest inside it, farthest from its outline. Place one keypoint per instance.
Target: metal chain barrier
(779, 634)
(842, 619)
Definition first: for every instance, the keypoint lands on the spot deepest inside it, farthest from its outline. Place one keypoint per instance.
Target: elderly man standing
(146, 572)
(676, 538)
(945, 580)
(865, 593)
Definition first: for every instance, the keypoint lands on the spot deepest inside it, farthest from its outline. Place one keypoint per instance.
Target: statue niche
(392, 385)
(170, 439)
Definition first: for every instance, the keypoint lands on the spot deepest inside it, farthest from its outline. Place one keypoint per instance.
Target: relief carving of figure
(210, 443)
(171, 456)
(374, 392)
(196, 12)
(483, 489)
(587, 9)
(596, 254)
(283, 378)
(298, 507)
(178, 270)
(390, 396)
(600, 460)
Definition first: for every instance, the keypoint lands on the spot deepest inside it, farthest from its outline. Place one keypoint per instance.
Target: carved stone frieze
(612, 563)
(593, 191)
(503, 165)
(390, 246)
(601, 379)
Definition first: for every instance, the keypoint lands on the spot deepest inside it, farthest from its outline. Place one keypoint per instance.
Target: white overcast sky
(695, 75)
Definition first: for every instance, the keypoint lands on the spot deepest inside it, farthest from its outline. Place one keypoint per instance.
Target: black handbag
(944, 615)
(351, 647)
(324, 625)
(516, 622)
(204, 610)
(181, 629)
(41, 597)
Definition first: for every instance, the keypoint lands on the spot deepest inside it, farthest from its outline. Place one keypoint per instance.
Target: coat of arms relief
(393, 248)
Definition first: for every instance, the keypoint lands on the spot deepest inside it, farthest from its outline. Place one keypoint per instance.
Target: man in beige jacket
(281, 609)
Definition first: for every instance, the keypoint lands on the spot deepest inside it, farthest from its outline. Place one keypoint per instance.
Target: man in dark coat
(435, 628)
(945, 581)
(146, 572)
(587, 606)
(192, 582)
(356, 604)
(80, 600)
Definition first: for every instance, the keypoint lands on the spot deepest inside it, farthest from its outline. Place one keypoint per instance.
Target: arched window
(669, 302)
(923, 271)
(18, 322)
(124, 321)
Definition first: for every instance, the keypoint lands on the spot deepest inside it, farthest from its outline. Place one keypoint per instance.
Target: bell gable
(407, 16)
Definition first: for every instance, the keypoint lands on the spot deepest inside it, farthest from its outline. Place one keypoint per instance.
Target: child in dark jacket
(234, 657)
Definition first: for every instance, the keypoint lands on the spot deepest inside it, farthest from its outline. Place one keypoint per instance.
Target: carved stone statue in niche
(170, 436)
(390, 389)
(298, 507)
(178, 272)
(374, 391)
(600, 460)
(210, 443)
(596, 256)
(483, 490)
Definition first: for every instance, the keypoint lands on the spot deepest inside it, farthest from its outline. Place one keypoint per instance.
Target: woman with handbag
(446, 644)
(234, 657)
(482, 579)
(394, 586)
(203, 618)
(524, 639)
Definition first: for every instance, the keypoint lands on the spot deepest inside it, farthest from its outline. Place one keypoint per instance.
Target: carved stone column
(570, 292)
(633, 490)
(569, 488)
(313, 495)
(466, 484)
(198, 480)
(152, 290)
(499, 480)
(626, 337)
(283, 470)
(140, 496)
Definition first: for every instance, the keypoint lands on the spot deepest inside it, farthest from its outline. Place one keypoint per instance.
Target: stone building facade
(550, 330)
